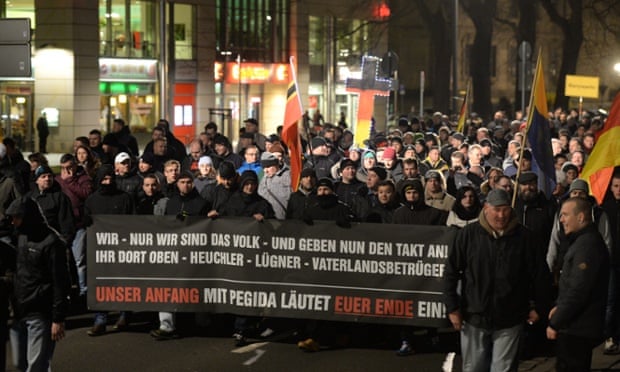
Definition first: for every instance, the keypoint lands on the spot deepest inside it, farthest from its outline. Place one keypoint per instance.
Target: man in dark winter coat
(124, 136)
(327, 207)
(246, 202)
(503, 282)
(577, 321)
(55, 205)
(304, 195)
(107, 199)
(533, 209)
(41, 288)
(187, 202)
(218, 194)
(414, 210)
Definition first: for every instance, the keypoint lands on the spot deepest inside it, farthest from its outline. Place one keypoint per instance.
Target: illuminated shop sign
(119, 69)
(251, 73)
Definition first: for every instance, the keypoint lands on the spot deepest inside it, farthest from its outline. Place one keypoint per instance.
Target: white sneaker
(611, 347)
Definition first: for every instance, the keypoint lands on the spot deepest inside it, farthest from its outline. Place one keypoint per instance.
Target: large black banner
(369, 272)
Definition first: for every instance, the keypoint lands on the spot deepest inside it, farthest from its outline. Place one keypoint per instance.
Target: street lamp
(617, 67)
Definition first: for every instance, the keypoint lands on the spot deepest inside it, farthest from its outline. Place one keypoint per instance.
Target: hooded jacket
(41, 278)
(502, 276)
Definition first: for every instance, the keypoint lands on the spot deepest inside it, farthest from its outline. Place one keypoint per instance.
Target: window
(256, 30)
(184, 43)
(128, 28)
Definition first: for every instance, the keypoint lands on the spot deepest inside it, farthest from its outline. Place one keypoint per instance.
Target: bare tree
(482, 13)
(438, 19)
(572, 29)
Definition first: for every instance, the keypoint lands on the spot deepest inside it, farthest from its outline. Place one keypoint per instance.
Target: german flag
(290, 131)
(605, 155)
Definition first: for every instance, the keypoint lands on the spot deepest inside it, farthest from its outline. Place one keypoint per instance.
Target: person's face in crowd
(185, 185)
(348, 174)
(245, 142)
(81, 155)
(559, 162)
(204, 169)
(564, 140)
(122, 168)
(512, 148)
(410, 170)
(504, 183)
(329, 135)
(160, 147)
(475, 156)
(419, 148)
(307, 183)
(206, 141)
(249, 187)
(480, 135)
(354, 155)
(116, 127)
(412, 196)
(372, 180)
(389, 163)
(323, 191)
(45, 181)
(210, 132)
(369, 162)
(270, 171)
(76, 144)
(615, 187)
(410, 154)
(433, 154)
(143, 166)
(195, 151)
(107, 180)
(570, 220)
(556, 147)
(34, 165)
(250, 127)
(528, 190)
(498, 217)
(577, 158)
(157, 134)
(486, 150)
(578, 194)
(171, 172)
(321, 150)
(398, 147)
(67, 169)
(94, 140)
(220, 149)
(588, 142)
(571, 175)
(573, 146)
(468, 199)
(433, 184)
(385, 193)
(150, 186)
(251, 155)
(268, 146)
(494, 178)
(278, 156)
(226, 182)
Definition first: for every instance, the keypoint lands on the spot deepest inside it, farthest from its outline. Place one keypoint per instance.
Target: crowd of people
(507, 268)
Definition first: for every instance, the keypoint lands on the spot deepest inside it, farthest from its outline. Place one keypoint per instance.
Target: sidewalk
(600, 362)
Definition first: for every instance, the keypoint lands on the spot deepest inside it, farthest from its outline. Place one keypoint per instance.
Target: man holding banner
(504, 280)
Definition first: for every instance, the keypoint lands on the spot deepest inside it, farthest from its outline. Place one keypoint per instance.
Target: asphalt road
(369, 348)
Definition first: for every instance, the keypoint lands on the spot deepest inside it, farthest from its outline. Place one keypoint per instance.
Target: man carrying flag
(290, 132)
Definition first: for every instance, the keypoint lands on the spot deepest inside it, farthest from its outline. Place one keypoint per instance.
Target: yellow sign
(581, 86)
